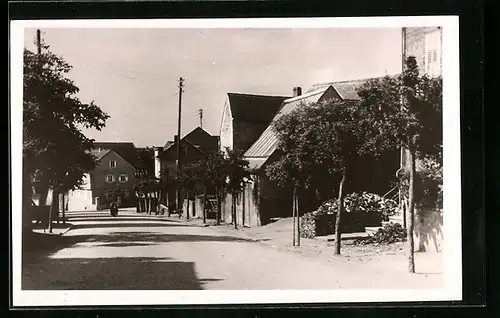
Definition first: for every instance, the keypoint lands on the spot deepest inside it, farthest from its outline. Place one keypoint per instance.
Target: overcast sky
(132, 73)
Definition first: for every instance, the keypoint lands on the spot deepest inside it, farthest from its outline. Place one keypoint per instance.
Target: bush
(320, 223)
(390, 233)
(374, 208)
(308, 225)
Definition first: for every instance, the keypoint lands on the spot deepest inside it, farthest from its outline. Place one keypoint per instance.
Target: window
(125, 193)
(110, 178)
(109, 194)
(123, 178)
(112, 163)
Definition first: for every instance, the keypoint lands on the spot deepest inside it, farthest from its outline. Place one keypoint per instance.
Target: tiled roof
(126, 150)
(255, 163)
(346, 89)
(99, 153)
(254, 108)
(267, 142)
(167, 145)
(184, 142)
(200, 137)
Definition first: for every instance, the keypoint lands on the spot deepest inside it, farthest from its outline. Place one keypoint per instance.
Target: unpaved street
(141, 252)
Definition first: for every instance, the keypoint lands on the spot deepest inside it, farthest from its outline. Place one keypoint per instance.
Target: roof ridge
(348, 81)
(308, 94)
(257, 95)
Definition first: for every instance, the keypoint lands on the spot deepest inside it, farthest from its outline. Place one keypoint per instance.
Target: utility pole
(200, 112)
(38, 42)
(178, 141)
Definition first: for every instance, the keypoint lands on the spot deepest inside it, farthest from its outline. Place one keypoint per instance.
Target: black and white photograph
(235, 161)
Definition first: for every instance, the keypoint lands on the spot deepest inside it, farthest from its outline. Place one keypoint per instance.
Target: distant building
(113, 178)
(196, 145)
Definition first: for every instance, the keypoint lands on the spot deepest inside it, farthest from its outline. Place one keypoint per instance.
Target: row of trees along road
(55, 151)
(320, 141)
(220, 174)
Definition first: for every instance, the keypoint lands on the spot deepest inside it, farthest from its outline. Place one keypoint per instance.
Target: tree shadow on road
(36, 244)
(124, 239)
(39, 245)
(121, 273)
(126, 224)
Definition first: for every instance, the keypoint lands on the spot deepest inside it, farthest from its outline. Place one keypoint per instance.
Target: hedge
(320, 224)
(360, 210)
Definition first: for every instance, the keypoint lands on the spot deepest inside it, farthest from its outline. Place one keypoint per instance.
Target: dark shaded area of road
(116, 273)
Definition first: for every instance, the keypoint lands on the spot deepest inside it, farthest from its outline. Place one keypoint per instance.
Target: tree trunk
(150, 203)
(57, 208)
(294, 227)
(158, 201)
(63, 209)
(27, 208)
(50, 212)
(204, 206)
(167, 201)
(298, 218)
(187, 204)
(339, 214)
(233, 208)
(411, 214)
(177, 200)
(219, 205)
(243, 207)
(193, 204)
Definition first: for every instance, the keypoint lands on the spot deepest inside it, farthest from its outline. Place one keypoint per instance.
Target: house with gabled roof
(198, 144)
(265, 200)
(245, 117)
(112, 178)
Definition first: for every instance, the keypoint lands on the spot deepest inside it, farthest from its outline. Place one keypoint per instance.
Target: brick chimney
(297, 91)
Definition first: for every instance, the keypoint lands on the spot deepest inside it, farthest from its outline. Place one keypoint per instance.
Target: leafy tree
(319, 143)
(216, 173)
(145, 160)
(407, 112)
(147, 189)
(187, 178)
(55, 151)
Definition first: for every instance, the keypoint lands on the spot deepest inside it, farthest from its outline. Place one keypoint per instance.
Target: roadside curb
(235, 232)
(70, 227)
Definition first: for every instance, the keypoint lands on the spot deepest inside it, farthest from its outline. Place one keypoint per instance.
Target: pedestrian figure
(113, 207)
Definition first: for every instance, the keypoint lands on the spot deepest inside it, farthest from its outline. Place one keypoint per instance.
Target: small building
(78, 199)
